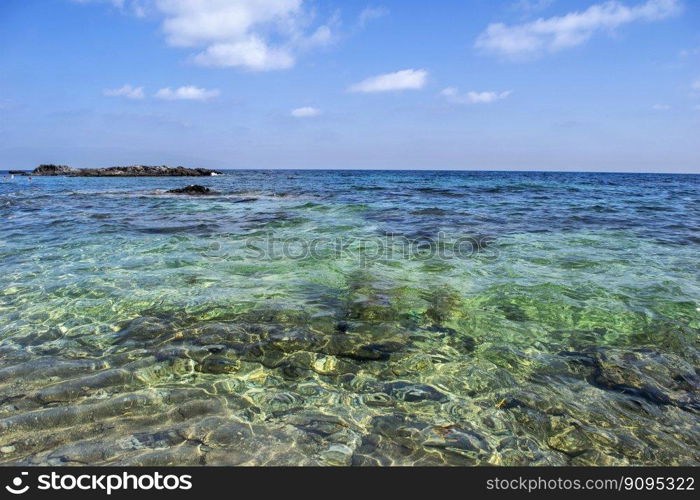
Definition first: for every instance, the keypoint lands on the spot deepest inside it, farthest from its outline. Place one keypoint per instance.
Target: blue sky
(405, 84)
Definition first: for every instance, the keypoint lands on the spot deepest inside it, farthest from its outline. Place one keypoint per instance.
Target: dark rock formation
(642, 375)
(193, 189)
(14, 172)
(131, 171)
(53, 170)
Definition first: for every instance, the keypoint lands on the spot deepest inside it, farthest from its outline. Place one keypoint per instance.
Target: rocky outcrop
(130, 171)
(54, 170)
(192, 189)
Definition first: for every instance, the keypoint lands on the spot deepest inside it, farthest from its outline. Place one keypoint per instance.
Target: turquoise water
(336, 318)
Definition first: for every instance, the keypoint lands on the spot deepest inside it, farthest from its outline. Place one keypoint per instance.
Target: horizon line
(410, 170)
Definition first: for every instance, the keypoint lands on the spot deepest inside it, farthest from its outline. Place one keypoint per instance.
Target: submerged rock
(331, 365)
(406, 391)
(192, 189)
(455, 439)
(318, 423)
(444, 304)
(642, 374)
(571, 441)
(218, 365)
(380, 351)
(128, 171)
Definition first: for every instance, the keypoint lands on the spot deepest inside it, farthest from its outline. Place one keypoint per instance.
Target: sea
(299, 317)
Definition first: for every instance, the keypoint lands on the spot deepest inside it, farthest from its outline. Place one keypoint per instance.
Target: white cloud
(252, 53)
(452, 95)
(191, 23)
(257, 35)
(407, 79)
(305, 112)
(370, 14)
(661, 107)
(189, 92)
(557, 33)
(125, 91)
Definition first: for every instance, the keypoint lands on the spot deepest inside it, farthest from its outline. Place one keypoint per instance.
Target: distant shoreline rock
(129, 171)
(52, 170)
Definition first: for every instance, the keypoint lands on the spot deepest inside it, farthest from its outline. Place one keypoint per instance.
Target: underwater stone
(232, 432)
(414, 363)
(371, 352)
(406, 391)
(326, 365)
(378, 399)
(218, 365)
(84, 453)
(337, 455)
(391, 425)
(570, 441)
(75, 388)
(318, 423)
(331, 365)
(367, 352)
(366, 303)
(64, 416)
(294, 340)
(513, 312)
(579, 357)
(399, 437)
(280, 403)
(467, 343)
(442, 329)
(50, 367)
(186, 454)
(455, 437)
(197, 408)
(215, 349)
(263, 354)
(444, 303)
(293, 372)
(642, 373)
(146, 329)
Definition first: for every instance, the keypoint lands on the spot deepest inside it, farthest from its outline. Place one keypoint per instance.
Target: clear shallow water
(138, 327)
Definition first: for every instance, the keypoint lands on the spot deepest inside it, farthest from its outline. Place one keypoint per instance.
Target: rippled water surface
(271, 324)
